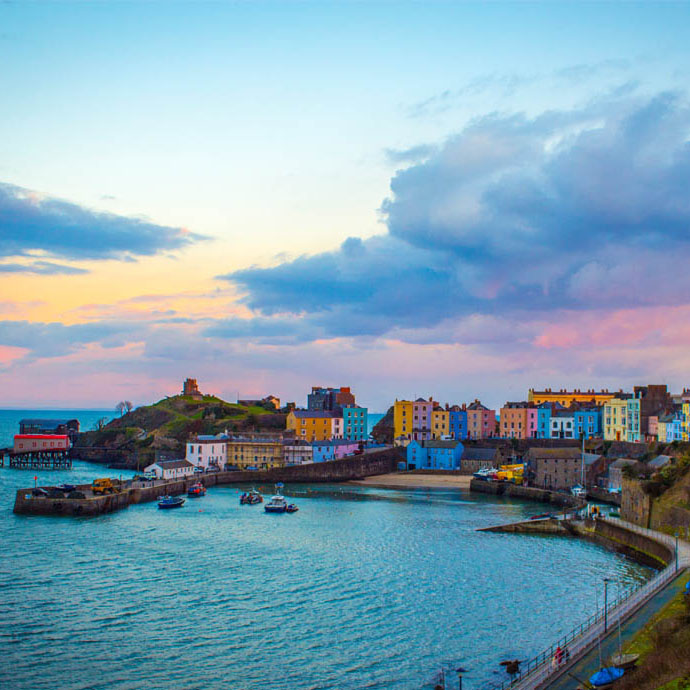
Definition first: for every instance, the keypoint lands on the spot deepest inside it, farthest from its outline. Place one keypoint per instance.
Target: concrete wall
(26, 504)
(635, 503)
(524, 492)
(357, 467)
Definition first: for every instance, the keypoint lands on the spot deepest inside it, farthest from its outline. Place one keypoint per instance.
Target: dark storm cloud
(31, 222)
(576, 209)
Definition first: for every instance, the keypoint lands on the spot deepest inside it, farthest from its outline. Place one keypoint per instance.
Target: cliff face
(383, 429)
(133, 439)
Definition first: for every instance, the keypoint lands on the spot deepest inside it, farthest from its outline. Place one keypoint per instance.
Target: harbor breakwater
(529, 493)
(611, 534)
(132, 492)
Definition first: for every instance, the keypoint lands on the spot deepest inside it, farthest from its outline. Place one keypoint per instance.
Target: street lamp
(676, 550)
(606, 600)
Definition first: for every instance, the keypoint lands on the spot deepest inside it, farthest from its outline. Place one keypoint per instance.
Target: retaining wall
(525, 492)
(356, 467)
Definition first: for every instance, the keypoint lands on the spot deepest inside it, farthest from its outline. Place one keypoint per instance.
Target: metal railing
(581, 636)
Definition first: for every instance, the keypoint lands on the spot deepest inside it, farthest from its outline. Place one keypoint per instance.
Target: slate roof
(591, 458)
(659, 461)
(173, 464)
(623, 462)
(442, 444)
(318, 414)
(570, 452)
(470, 453)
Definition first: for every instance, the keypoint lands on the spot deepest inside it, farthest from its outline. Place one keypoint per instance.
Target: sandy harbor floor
(415, 481)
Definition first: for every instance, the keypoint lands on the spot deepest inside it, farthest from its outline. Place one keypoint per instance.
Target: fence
(579, 639)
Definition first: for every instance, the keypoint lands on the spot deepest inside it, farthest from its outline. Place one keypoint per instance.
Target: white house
(171, 469)
(298, 452)
(208, 451)
(563, 426)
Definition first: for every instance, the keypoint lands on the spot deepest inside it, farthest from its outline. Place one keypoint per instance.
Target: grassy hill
(167, 425)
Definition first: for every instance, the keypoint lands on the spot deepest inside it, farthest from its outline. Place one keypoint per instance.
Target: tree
(100, 423)
(123, 407)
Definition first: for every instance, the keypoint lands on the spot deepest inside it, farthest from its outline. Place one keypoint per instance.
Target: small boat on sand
(624, 661)
(166, 502)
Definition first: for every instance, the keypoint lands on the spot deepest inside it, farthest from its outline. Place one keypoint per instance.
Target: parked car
(39, 492)
(150, 476)
(76, 494)
(213, 468)
(65, 487)
(198, 470)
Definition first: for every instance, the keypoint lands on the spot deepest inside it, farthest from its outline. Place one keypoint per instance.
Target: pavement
(584, 647)
(590, 663)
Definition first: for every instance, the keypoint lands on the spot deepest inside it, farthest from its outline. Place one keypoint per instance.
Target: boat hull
(170, 506)
(275, 509)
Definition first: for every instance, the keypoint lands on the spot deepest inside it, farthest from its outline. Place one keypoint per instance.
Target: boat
(291, 508)
(196, 490)
(166, 502)
(277, 504)
(624, 661)
(578, 491)
(605, 677)
(251, 498)
(486, 473)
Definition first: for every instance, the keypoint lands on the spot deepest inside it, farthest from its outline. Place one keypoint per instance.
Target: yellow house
(685, 435)
(567, 398)
(260, 454)
(402, 418)
(614, 420)
(440, 423)
(314, 425)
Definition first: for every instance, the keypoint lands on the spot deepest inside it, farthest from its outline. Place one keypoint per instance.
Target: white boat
(277, 504)
(485, 473)
(578, 491)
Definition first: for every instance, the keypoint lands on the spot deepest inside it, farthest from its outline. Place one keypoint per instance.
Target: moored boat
(486, 473)
(196, 490)
(165, 502)
(251, 498)
(291, 508)
(624, 661)
(578, 491)
(277, 504)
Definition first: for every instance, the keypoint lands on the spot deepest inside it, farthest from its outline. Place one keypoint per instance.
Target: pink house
(532, 426)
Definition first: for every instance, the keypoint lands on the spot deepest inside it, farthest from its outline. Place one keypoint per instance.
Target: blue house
(333, 450)
(544, 420)
(588, 422)
(434, 455)
(355, 422)
(457, 420)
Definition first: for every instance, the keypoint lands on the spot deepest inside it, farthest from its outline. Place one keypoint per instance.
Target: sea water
(362, 588)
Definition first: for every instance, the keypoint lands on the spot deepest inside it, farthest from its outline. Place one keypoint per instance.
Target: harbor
(375, 545)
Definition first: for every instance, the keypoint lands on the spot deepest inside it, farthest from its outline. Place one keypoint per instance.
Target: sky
(457, 200)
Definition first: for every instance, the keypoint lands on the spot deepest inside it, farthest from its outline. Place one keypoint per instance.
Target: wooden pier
(36, 460)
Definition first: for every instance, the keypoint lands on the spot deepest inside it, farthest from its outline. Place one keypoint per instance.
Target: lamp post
(676, 550)
(606, 601)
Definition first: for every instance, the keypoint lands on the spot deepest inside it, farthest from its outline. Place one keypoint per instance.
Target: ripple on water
(361, 589)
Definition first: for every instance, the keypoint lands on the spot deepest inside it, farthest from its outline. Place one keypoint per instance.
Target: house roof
(659, 461)
(317, 414)
(470, 453)
(591, 458)
(336, 442)
(570, 452)
(477, 406)
(442, 444)
(173, 464)
(623, 462)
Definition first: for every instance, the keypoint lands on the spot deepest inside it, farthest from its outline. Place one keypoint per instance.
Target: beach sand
(415, 481)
